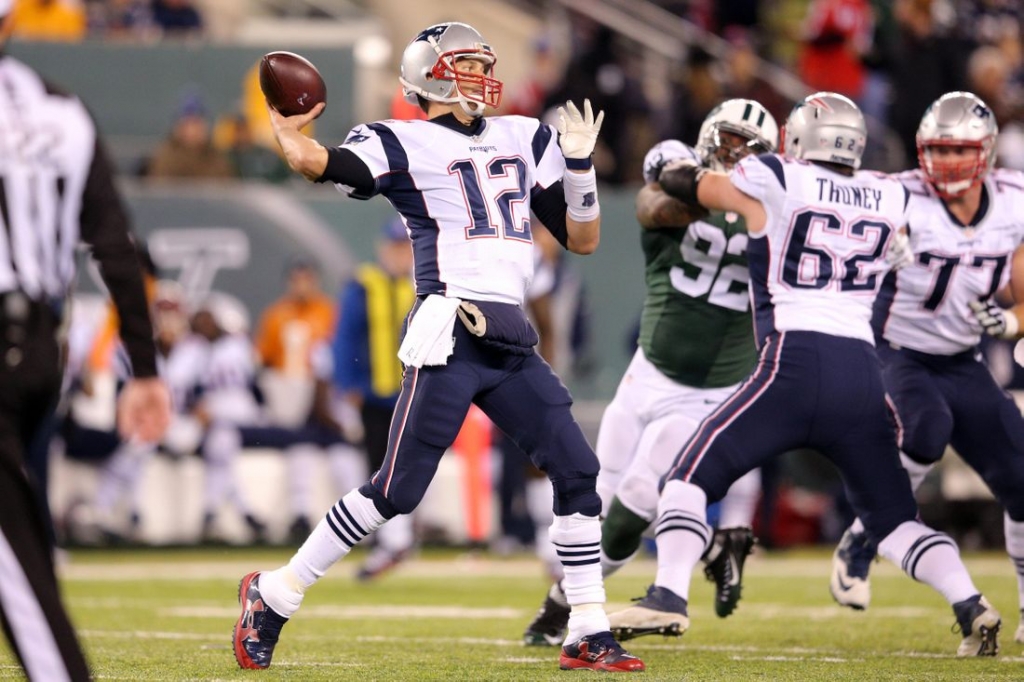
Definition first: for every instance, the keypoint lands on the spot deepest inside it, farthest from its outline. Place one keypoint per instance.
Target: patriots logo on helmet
(435, 32)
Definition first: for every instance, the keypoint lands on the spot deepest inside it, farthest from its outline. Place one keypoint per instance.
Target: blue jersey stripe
(883, 304)
(400, 189)
(775, 165)
(758, 259)
(540, 142)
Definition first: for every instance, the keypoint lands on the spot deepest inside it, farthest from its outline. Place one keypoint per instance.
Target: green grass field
(167, 615)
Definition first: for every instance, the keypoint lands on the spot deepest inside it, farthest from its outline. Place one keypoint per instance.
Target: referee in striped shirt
(56, 190)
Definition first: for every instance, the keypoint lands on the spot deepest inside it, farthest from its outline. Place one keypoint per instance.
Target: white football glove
(577, 133)
(994, 320)
(899, 254)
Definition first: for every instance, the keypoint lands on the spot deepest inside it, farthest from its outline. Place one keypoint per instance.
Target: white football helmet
(957, 119)
(826, 126)
(429, 69)
(743, 117)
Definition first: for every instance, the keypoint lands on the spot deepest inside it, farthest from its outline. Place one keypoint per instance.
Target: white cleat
(979, 624)
(661, 612)
(851, 563)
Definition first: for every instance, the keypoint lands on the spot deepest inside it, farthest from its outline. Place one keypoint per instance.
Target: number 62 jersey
(924, 306)
(818, 264)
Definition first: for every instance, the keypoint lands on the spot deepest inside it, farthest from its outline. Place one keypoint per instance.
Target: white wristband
(581, 195)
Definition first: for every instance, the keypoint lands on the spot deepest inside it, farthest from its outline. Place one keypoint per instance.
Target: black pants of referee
(33, 617)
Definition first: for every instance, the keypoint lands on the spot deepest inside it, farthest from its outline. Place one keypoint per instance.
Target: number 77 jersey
(819, 262)
(924, 306)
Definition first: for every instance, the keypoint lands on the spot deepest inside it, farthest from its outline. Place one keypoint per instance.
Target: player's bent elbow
(584, 247)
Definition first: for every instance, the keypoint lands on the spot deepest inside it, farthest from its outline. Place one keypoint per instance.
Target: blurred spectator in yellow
(250, 160)
(177, 18)
(837, 35)
(188, 151)
(62, 20)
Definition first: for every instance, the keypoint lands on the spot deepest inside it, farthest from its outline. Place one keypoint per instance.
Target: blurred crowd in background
(893, 57)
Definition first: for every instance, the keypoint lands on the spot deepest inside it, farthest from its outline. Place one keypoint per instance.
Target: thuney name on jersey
(696, 325)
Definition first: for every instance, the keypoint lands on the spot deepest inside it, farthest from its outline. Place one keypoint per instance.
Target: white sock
(1014, 532)
(302, 471)
(740, 501)
(577, 539)
(683, 535)
(915, 470)
(348, 466)
(930, 557)
(350, 520)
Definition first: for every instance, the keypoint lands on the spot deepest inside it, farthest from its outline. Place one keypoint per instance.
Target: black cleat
(729, 550)
(551, 622)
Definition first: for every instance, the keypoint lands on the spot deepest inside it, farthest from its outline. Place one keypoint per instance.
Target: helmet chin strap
(471, 107)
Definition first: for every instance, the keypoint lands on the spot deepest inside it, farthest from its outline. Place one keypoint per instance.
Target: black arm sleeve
(549, 207)
(345, 168)
(681, 182)
(104, 227)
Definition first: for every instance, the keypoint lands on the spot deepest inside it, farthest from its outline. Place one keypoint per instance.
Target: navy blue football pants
(953, 400)
(808, 390)
(521, 395)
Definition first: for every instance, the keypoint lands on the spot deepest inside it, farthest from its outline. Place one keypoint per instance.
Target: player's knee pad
(576, 496)
(926, 435)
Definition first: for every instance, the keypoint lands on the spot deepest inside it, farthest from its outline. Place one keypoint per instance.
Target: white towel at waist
(430, 338)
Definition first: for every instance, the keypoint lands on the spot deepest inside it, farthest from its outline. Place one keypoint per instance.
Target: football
(291, 84)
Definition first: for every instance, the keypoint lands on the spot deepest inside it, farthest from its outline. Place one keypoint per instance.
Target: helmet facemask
(953, 177)
(723, 156)
(489, 95)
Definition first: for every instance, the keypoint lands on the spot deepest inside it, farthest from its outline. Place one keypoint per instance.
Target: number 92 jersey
(465, 199)
(924, 307)
(695, 326)
(819, 262)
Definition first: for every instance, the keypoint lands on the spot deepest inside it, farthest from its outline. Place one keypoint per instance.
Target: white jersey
(818, 264)
(925, 307)
(465, 199)
(182, 370)
(230, 373)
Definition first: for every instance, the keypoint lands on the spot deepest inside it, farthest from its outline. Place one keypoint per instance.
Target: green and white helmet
(743, 117)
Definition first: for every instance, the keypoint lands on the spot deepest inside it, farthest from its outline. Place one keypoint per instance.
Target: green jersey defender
(696, 344)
